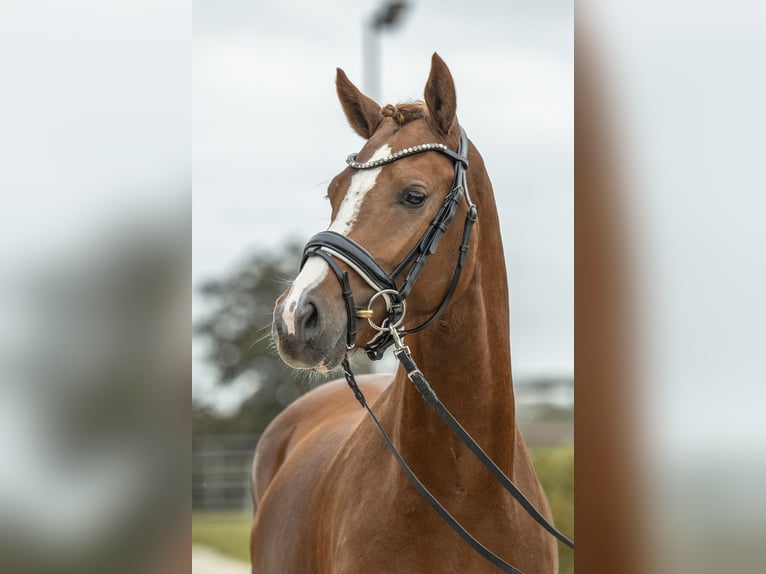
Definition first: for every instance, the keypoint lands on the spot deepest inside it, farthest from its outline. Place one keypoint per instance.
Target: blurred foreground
(93, 405)
(94, 287)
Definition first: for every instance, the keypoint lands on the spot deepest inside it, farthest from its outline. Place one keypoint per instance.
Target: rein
(330, 246)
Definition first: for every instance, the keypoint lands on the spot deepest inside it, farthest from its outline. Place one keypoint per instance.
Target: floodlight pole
(388, 16)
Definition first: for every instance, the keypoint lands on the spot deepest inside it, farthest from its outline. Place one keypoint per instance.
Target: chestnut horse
(329, 496)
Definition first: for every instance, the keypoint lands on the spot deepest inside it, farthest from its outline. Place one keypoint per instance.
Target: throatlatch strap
(422, 489)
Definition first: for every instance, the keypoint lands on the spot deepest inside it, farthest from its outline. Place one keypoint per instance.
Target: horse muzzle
(309, 326)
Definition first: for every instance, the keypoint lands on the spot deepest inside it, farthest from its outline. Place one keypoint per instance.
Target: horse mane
(405, 112)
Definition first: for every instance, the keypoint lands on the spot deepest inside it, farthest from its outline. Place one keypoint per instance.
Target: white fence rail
(221, 468)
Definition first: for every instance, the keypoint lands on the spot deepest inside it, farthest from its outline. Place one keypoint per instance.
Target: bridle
(331, 246)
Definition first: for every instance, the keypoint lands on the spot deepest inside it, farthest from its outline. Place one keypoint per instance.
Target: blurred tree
(237, 333)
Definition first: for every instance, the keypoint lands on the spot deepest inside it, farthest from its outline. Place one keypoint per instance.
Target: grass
(229, 533)
(555, 469)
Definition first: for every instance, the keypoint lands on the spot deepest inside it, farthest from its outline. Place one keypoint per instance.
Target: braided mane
(404, 113)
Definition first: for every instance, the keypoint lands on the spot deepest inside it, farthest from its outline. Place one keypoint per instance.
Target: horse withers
(329, 496)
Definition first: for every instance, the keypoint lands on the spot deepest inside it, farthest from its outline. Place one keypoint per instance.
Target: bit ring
(367, 313)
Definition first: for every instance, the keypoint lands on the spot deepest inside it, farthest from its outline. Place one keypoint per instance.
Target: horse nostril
(308, 320)
(312, 317)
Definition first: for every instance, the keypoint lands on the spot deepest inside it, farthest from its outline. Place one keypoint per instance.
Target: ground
(208, 561)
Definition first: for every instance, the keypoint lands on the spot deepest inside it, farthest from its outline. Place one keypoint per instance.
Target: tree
(237, 331)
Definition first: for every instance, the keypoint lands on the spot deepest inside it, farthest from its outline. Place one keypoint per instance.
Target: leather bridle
(332, 246)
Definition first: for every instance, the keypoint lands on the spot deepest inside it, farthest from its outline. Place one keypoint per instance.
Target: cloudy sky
(264, 96)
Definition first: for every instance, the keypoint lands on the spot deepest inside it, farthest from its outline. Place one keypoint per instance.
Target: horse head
(386, 203)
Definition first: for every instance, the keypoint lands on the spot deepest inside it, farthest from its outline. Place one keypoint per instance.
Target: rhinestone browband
(351, 160)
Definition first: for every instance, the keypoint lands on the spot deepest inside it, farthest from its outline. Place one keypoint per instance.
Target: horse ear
(440, 96)
(362, 112)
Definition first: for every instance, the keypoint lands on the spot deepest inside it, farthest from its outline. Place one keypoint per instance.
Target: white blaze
(361, 183)
(316, 268)
(312, 273)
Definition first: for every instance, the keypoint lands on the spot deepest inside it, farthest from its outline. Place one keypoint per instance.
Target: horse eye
(414, 198)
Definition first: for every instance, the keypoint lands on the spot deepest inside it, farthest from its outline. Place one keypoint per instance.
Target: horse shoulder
(313, 413)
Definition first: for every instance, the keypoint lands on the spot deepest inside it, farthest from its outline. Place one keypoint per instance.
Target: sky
(264, 98)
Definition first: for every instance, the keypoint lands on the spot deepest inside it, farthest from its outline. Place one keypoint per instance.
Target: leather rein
(331, 246)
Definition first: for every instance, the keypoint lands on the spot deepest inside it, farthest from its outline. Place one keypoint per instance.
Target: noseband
(331, 246)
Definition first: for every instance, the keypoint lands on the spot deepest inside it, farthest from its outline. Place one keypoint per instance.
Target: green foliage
(238, 326)
(555, 469)
(237, 333)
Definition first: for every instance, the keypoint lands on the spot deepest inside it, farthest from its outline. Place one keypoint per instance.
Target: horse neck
(466, 358)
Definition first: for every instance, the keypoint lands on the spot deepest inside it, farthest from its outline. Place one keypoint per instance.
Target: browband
(351, 159)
